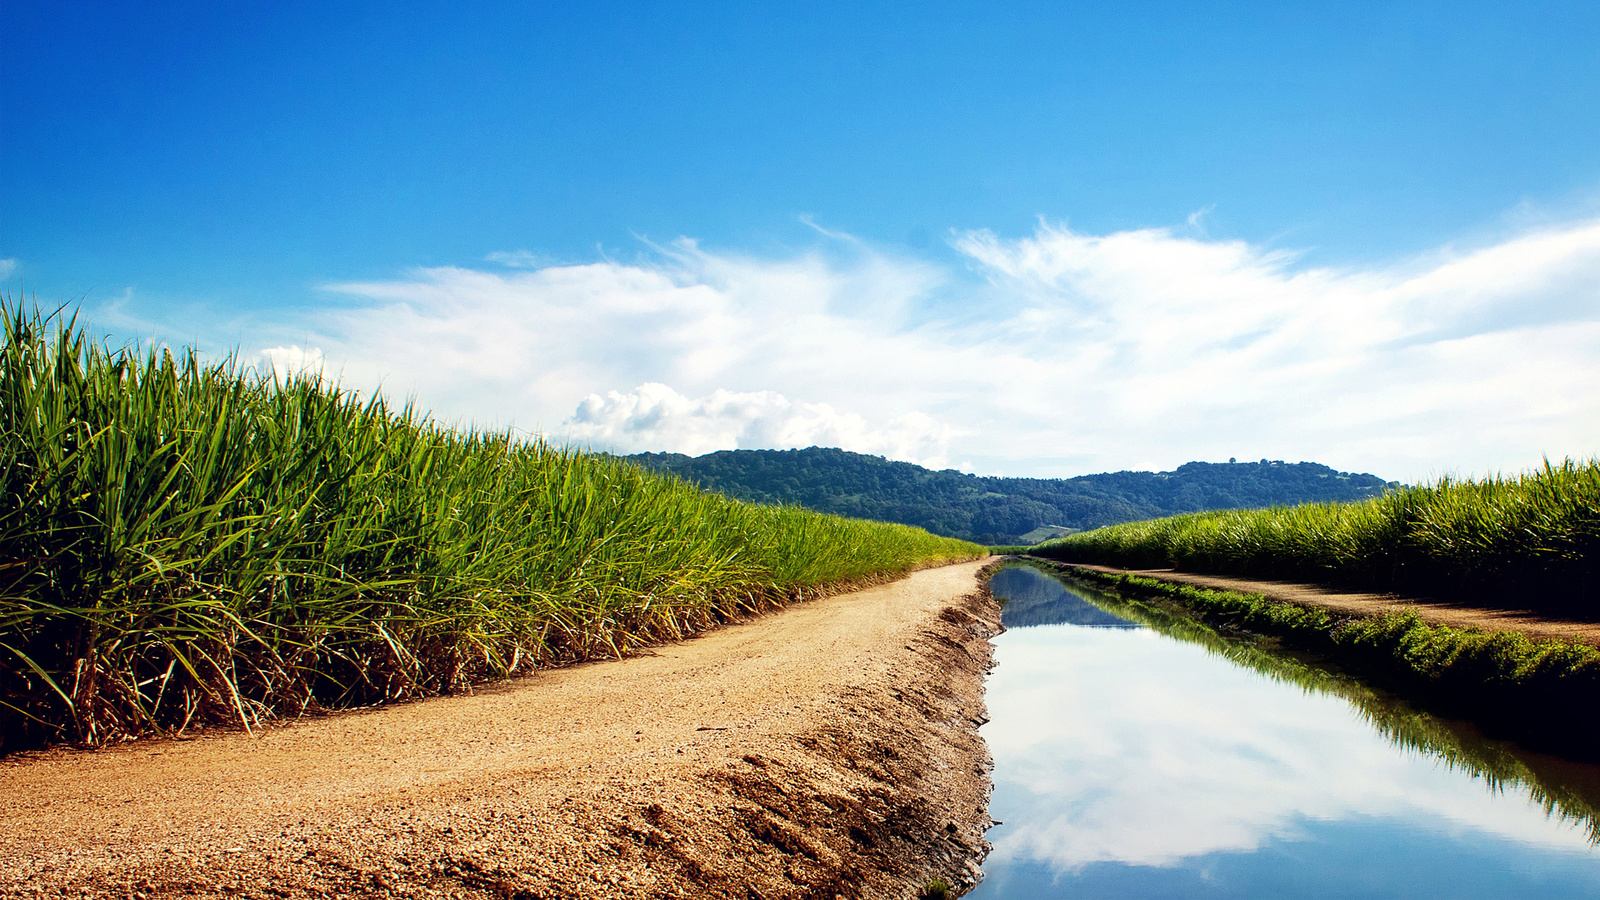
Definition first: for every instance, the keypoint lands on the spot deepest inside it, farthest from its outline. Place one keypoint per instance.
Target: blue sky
(1019, 238)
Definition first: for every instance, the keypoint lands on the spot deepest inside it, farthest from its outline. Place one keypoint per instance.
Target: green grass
(1533, 540)
(186, 543)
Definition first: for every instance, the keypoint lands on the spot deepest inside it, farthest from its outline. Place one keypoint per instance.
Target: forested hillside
(1002, 510)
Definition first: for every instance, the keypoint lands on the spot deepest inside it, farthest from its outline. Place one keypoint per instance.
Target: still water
(1138, 755)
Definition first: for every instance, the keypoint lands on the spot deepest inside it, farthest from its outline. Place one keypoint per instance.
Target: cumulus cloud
(1050, 353)
(293, 360)
(654, 416)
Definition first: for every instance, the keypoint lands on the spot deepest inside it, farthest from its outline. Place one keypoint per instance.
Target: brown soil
(1535, 625)
(828, 750)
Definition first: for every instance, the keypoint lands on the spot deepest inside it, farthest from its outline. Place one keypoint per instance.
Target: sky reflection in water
(1132, 764)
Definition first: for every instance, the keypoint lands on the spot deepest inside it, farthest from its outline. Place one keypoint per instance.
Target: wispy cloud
(1197, 217)
(7, 266)
(1055, 352)
(519, 259)
(1465, 360)
(810, 221)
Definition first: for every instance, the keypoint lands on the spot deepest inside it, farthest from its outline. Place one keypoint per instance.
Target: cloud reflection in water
(1127, 747)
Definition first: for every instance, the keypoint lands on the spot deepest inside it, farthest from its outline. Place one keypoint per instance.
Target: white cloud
(7, 266)
(1051, 353)
(1195, 217)
(528, 347)
(519, 259)
(1467, 361)
(294, 360)
(654, 417)
(810, 222)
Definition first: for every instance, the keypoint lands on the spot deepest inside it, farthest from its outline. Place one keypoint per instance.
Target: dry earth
(1535, 625)
(828, 750)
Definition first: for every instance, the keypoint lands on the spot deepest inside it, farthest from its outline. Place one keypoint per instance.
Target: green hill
(1002, 510)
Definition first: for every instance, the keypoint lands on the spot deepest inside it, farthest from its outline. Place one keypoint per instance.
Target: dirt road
(826, 750)
(1535, 625)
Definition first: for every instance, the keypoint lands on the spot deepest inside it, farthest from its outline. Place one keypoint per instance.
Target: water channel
(1139, 754)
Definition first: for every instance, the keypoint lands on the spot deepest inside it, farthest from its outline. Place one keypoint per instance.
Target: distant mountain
(1002, 510)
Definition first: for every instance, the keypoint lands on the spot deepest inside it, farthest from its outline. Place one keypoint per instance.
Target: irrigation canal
(1141, 755)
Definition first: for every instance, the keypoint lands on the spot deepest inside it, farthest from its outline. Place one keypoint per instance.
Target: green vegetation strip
(1532, 540)
(186, 543)
(1537, 690)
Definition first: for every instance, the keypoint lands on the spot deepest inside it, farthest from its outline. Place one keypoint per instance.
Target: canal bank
(1431, 610)
(1140, 752)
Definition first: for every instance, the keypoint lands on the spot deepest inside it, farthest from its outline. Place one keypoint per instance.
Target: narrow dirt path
(1433, 611)
(829, 749)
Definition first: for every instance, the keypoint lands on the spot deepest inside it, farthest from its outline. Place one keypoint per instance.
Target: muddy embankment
(828, 750)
